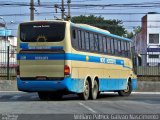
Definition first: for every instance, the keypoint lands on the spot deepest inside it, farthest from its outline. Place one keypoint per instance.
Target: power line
(113, 26)
(89, 13)
(50, 4)
(123, 21)
(89, 6)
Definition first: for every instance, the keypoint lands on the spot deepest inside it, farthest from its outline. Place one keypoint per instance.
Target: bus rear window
(42, 32)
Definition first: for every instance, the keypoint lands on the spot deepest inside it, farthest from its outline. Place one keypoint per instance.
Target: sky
(130, 20)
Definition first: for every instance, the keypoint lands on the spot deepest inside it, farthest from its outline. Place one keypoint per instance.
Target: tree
(129, 34)
(137, 30)
(113, 26)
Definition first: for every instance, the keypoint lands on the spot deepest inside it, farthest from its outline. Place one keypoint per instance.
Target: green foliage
(113, 26)
(129, 34)
(137, 30)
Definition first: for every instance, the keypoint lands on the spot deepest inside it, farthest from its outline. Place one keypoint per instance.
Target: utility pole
(32, 10)
(62, 9)
(69, 7)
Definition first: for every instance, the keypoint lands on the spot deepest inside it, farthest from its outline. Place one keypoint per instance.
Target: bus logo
(108, 60)
(87, 58)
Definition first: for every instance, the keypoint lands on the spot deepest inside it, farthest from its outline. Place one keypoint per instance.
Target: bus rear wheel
(86, 91)
(126, 92)
(95, 88)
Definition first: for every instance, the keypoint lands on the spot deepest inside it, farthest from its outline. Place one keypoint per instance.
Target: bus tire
(126, 92)
(86, 91)
(43, 95)
(95, 91)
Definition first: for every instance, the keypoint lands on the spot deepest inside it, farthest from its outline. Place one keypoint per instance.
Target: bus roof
(87, 27)
(98, 30)
(44, 21)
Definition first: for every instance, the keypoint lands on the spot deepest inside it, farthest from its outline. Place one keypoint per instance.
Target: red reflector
(66, 70)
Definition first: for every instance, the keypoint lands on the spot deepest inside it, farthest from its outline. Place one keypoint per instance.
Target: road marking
(87, 107)
(149, 93)
(15, 97)
(108, 92)
(11, 91)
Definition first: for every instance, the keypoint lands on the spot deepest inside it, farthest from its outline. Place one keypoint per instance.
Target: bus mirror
(139, 60)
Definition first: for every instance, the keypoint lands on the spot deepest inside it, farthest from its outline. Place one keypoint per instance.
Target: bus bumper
(69, 84)
(134, 84)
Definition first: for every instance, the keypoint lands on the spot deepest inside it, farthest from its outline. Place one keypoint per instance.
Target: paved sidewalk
(143, 86)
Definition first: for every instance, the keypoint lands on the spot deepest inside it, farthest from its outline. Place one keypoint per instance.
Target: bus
(57, 57)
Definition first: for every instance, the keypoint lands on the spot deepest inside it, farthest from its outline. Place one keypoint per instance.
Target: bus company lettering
(41, 58)
(39, 47)
(46, 47)
(41, 26)
(108, 60)
(111, 61)
(23, 58)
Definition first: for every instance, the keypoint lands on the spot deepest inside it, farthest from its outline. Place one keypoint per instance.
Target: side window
(83, 40)
(74, 34)
(96, 46)
(101, 44)
(119, 47)
(104, 44)
(126, 49)
(116, 46)
(87, 40)
(79, 39)
(123, 48)
(154, 38)
(91, 42)
(109, 45)
(112, 46)
(74, 38)
(129, 49)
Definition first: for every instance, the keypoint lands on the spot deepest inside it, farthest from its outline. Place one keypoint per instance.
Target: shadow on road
(23, 97)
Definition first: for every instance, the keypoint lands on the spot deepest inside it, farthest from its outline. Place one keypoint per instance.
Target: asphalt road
(29, 103)
(107, 103)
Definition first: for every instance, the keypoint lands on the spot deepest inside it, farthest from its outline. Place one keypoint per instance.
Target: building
(147, 42)
(6, 39)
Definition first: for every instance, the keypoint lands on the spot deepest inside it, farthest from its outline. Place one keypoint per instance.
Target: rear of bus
(41, 56)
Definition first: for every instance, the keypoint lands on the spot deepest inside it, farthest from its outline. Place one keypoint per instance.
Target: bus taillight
(66, 70)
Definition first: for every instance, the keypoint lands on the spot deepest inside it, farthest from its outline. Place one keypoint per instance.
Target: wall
(12, 42)
(3, 51)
